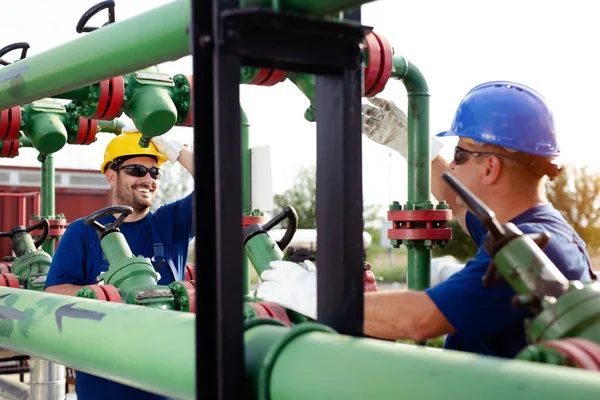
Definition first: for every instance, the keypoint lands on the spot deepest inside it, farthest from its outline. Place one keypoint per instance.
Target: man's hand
(385, 123)
(170, 148)
(291, 285)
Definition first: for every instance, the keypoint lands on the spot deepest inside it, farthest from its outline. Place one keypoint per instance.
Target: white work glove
(385, 123)
(291, 285)
(168, 147)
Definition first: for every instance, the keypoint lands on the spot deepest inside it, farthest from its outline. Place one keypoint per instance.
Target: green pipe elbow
(152, 110)
(47, 133)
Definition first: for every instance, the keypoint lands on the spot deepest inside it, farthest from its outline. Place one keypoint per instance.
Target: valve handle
(110, 4)
(24, 46)
(290, 214)
(45, 225)
(483, 212)
(92, 219)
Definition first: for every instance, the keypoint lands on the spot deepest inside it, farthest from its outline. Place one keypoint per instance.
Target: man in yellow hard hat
(163, 236)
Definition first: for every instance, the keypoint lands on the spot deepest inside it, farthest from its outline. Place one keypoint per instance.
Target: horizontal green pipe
(115, 126)
(147, 39)
(316, 8)
(112, 340)
(294, 365)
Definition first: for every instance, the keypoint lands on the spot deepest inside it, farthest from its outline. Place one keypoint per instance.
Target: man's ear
(492, 169)
(111, 177)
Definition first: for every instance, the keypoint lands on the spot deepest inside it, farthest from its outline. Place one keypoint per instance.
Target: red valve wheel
(10, 123)
(385, 67)
(98, 292)
(111, 293)
(87, 131)
(373, 62)
(10, 148)
(116, 98)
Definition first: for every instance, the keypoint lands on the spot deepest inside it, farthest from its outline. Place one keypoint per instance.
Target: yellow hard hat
(127, 145)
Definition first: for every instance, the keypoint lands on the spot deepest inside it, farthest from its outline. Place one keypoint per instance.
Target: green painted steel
(307, 363)
(310, 7)
(48, 193)
(115, 126)
(44, 123)
(246, 187)
(419, 169)
(88, 335)
(30, 266)
(149, 103)
(261, 249)
(306, 84)
(116, 49)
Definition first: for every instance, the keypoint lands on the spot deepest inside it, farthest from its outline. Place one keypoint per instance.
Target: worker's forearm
(186, 159)
(387, 315)
(66, 289)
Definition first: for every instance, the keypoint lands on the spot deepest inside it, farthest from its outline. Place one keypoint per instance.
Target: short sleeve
(473, 310)
(476, 229)
(68, 261)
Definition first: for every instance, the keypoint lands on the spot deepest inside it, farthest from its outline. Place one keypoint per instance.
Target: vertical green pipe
(48, 205)
(419, 180)
(246, 186)
(307, 363)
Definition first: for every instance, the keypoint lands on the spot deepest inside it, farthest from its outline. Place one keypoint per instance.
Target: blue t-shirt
(484, 318)
(79, 260)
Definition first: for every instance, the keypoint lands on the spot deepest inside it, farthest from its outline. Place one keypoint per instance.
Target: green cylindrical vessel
(112, 340)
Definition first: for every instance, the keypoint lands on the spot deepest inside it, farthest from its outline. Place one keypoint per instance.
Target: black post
(218, 217)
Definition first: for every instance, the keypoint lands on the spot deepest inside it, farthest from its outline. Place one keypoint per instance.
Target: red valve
(419, 224)
(10, 148)
(268, 77)
(380, 63)
(10, 123)
(88, 128)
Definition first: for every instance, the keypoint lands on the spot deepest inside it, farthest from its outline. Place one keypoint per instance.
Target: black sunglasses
(139, 171)
(461, 156)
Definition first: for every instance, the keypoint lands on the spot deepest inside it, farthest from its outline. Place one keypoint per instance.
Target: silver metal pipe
(47, 380)
(13, 390)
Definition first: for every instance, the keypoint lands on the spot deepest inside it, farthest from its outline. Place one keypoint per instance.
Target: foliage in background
(576, 194)
(460, 246)
(175, 183)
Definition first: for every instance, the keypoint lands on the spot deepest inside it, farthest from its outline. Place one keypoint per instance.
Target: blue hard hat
(506, 114)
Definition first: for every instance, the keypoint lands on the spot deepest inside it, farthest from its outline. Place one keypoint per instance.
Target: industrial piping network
(284, 357)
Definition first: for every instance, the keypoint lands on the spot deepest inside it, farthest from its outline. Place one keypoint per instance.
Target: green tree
(175, 183)
(302, 196)
(460, 246)
(576, 194)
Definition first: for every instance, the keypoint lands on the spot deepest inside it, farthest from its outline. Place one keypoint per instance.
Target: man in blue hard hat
(505, 154)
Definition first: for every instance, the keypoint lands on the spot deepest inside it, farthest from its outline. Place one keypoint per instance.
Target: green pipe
(246, 187)
(110, 340)
(80, 94)
(307, 362)
(306, 84)
(261, 249)
(317, 8)
(116, 49)
(48, 205)
(419, 180)
(115, 126)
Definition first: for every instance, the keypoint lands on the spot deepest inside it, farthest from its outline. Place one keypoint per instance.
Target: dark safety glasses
(461, 156)
(139, 171)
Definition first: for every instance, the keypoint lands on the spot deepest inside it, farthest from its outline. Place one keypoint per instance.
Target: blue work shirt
(484, 318)
(79, 260)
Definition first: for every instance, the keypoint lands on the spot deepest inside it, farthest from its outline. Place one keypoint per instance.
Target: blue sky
(548, 45)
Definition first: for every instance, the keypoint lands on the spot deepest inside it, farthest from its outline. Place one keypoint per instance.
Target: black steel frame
(224, 37)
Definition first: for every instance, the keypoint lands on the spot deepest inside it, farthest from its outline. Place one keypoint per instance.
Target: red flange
(580, 357)
(385, 67)
(112, 94)
(87, 131)
(10, 148)
(57, 227)
(111, 293)
(261, 76)
(190, 274)
(12, 280)
(3, 282)
(98, 292)
(268, 77)
(10, 123)
(5, 268)
(260, 310)
(189, 120)
(277, 312)
(419, 225)
(373, 62)
(251, 220)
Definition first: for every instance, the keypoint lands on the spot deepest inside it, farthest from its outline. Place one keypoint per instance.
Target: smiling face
(136, 192)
